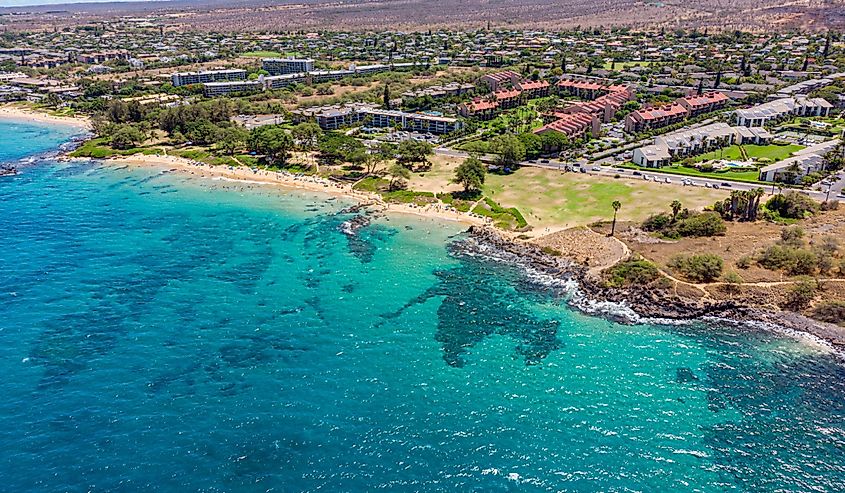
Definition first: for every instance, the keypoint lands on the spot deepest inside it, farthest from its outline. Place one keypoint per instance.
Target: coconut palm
(676, 208)
(616, 205)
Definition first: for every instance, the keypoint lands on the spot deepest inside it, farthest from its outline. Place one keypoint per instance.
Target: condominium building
(762, 114)
(282, 66)
(573, 125)
(800, 164)
(187, 78)
(656, 117)
(533, 89)
(480, 109)
(211, 89)
(694, 141)
(319, 76)
(280, 81)
(337, 116)
(500, 80)
(704, 103)
(415, 122)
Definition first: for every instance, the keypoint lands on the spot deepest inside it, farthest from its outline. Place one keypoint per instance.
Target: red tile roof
(507, 94)
(706, 99)
(660, 112)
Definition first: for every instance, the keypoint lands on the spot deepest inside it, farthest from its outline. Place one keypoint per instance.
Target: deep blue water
(164, 333)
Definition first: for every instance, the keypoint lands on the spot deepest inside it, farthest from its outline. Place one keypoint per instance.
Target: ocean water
(160, 332)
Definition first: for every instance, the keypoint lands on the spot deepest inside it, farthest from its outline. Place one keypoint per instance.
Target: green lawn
(771, 152)
(626, 65)
(744, 176)
(552, 199)
(263, 54)
(732, 153)
(99, 149)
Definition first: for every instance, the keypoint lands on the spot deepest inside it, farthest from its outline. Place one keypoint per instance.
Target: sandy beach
(22, 113)
(293, 181)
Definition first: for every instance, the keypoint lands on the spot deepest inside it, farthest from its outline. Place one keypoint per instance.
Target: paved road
(819, 193)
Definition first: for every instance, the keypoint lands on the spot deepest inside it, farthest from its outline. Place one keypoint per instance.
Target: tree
(509, 148)
(386, 96)
(554, 141)
(125, 137)
(411, 152)
(676, 208)
(616, 206)
(398, 174)
(272, 141)
(306, 135)
(470, 174)
(336, 148)
(231, 138)
(532, 142)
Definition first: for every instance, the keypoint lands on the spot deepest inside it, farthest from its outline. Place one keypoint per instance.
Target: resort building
(704, 103)
(282, 66)
(480, 109)
(533, 89)
(583, 89)
(604, 107)
(279, 81)
(439, 92)
(507, 99)
(500, 80)
(338, 116)
(211, 89)
(332, 117)
(694, 141)
(656, 117)
(369, 69)
(319, 76)
(799, 165)
(187, 78)
(414, 122)
(573, 125)
(779, 109)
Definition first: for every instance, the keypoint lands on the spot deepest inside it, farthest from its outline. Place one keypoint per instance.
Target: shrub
(830, 205)
(795, 261)
(704, 224)
(705, 267)
(792, 235)
(792, 205)
(801, 294)
(744, 262)
(657, 222)
(632, 272)
(830, 311)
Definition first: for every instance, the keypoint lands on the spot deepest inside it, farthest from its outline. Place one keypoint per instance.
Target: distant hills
(262, 15)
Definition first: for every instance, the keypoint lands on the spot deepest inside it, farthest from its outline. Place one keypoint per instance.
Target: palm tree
(676, 208)
(616, 205)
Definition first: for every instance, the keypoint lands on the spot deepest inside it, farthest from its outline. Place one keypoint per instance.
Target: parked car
(645, 177)
(596, 168)
(726, 184)
(716, 186)
(544, 161)
(667, 180)
(637, 173)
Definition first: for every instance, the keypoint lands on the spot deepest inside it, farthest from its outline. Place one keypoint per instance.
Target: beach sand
(300, 182)
(25, 114)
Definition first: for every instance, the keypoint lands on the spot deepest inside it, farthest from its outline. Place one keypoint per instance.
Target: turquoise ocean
(160, 332)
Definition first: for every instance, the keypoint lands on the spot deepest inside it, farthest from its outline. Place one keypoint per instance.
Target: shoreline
(17, 112)
(643, 304)
(290, 181)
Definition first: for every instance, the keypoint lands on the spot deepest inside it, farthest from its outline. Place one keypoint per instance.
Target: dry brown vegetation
(220, 15)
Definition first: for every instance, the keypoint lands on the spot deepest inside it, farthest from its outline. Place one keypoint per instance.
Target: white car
(645, 177)
(667, 180)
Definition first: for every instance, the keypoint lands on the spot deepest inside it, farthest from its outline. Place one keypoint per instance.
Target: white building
(801, 163)
(186, 78)
(693, 141)
(282, 66)
(211, 89)
(760, 115)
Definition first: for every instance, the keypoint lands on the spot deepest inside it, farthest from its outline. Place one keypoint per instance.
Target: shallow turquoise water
(164, 333)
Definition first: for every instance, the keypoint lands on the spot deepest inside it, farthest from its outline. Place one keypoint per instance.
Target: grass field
(626, 65)
(264, 54)
(744, 176)
(550, 199)
(771, 152)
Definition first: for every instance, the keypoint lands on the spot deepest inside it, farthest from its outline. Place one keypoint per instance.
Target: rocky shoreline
(645, 303)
